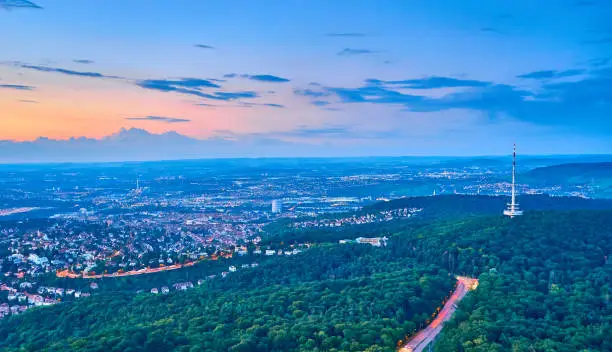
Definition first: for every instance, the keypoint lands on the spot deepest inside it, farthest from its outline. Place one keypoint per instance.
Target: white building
(277, 206)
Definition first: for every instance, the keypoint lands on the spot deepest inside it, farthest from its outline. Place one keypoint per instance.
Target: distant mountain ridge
(134, 144)
(597, 176)
(572, 171)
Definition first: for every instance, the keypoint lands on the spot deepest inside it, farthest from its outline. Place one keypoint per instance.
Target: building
(277, 206)
(182, 286)
(374, 241)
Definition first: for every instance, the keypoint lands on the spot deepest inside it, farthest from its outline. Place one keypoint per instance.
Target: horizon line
(448, 157)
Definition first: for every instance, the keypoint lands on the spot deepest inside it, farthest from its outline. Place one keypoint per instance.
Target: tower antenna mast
(513, 207)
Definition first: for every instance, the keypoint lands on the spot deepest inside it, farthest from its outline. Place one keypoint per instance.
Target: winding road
(424, 337)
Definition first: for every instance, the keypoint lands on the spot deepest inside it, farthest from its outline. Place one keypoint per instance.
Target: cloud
(320, 103)
(266, 78)
(270, 105)
(64, 71)
(28, 101)
(234, 95)
(549, 74)
(168, 85)
(352, 52)
(11, 4)
(83, 61)
(158, 118)
(203, 46)
(346, 35)
(376, 95)
(598, 62)
(16, 86)
(564, 104)
(260, 78)
(311, 93)
(304, 131)
(433, 82)
(185, 85)
(193, 86)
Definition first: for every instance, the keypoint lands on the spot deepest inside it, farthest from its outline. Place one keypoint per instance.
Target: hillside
(597, 176)
(576, 172)
(452, 206)
(553, 278)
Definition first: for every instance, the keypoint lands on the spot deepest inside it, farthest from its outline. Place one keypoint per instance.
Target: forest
(544, 286)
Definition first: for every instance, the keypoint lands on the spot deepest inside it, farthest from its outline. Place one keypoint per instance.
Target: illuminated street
(420, 341)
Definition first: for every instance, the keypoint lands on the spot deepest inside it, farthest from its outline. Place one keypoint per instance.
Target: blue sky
(367, 77)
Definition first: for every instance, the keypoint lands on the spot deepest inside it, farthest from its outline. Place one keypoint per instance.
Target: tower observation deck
(513, 207)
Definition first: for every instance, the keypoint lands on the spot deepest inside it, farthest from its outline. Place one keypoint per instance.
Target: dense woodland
(544, 286)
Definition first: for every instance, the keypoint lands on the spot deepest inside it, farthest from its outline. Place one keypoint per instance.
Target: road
(68, 274)
(419, 341)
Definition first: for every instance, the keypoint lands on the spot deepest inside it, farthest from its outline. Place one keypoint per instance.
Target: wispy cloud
(16, 86)
(234, 95)
(320, 103)
(194, 86)
(253, 105)
(260, 78)
(346, 35)
(83, 61)
(28, 101)
(176, 85)
(352, 52)
(598, 62)
(12, 4)
(554, 103)
(204, 46)
(548, 74)
(311, 93)
(432, 82)
(64, 71)
(266, 78)
(159, 119)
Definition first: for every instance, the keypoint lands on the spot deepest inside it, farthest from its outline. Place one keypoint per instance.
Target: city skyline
(344, 78)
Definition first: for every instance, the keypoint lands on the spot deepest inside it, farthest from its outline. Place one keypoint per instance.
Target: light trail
(424, 337)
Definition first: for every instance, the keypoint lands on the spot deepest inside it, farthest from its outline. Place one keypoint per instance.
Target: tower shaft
(513, 208)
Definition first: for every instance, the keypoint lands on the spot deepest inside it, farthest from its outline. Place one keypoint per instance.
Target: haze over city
(319, 78)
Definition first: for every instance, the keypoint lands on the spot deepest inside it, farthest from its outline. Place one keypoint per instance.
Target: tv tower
(513, 208)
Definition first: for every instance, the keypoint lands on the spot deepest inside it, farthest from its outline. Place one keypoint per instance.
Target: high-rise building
(277, 206)
(513, 207)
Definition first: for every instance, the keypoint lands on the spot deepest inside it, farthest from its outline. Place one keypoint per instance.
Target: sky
(431, 77)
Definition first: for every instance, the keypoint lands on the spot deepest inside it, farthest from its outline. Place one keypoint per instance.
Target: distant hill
(596, 176)
(571, 173)
(451, 206)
